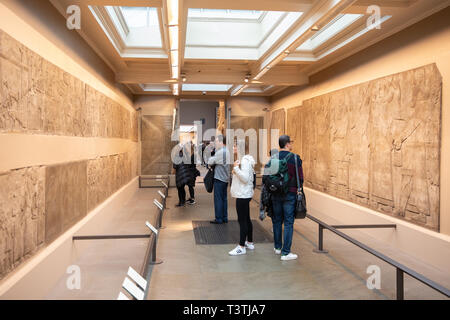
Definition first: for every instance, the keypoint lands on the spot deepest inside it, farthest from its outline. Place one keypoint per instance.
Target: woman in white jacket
(242, 190)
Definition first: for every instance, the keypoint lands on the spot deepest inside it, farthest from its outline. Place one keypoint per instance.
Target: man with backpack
(280, 180)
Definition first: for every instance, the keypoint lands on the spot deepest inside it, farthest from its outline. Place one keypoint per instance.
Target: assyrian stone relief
(38, 97)
(39, 203)
(156, 144)
(245, 123)
(376, 144)
(22, 215)
(277, 121)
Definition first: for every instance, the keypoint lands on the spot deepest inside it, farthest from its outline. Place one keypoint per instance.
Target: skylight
(140, 17)
(337, 25)
(225, 14)
(133, 31)
(206, 87)
(242, 35)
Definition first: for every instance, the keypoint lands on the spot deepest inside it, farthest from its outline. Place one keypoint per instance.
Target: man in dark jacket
(283, 205)
(185, 174)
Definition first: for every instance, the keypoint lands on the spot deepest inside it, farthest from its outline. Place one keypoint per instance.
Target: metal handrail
(150, 255)
(401, 269)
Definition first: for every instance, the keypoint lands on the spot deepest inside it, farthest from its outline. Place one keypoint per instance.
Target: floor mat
(226, 233)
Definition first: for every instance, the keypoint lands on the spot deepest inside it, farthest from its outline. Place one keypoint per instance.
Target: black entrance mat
(226, 233)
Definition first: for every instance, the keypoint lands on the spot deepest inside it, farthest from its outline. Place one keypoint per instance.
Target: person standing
(242, 190)
(185, 175)
(220, 160)
(194, 174)
(284, 203)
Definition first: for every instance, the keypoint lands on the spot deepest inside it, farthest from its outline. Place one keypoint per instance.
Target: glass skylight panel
(330, 30)
(206, 87)
(225, 14)
(140, 17)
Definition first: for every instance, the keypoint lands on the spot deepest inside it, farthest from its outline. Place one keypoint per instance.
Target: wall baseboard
(34, 278)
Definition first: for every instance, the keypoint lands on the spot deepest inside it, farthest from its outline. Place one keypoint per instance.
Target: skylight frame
(336, 26)
(269, 28)
(128, 41)
(224, 15)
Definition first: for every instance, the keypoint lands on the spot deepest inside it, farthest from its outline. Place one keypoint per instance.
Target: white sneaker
(237, 251)
(249, 245)
(277, 251)
(290, 256)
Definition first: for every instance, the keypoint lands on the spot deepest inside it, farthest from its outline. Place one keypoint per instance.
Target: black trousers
(182, 193)
(245, 224)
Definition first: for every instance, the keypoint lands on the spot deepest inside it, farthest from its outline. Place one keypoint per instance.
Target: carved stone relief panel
(156, 144)
(376, 144)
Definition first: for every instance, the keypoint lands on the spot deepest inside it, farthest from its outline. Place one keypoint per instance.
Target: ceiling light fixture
(173, 22)
(175, 72)
(172, 12)
(175, 89)
(315, 28)
(247, 77)
(183, 77)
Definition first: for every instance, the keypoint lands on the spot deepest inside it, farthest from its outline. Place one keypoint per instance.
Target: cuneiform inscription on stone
(38, 97)
(376, 144)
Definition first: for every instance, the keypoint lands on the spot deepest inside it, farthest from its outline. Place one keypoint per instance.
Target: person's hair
(213, 139)
(283, 141)
(222, 139)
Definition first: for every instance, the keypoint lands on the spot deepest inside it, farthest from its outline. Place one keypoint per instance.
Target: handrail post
(160, 226)
(320, 244)
(400, 284)
(154, 260)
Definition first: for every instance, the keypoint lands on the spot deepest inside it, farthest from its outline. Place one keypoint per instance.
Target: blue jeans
(283, 211)
(220, 201)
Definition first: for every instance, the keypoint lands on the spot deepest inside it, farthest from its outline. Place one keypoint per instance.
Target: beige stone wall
(376, 144)
(38, 203)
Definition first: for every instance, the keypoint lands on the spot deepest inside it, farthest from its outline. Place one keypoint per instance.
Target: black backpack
(208, 180)
(276, 176)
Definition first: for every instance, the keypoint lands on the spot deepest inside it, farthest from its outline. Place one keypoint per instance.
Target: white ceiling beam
(127, 3)
(319, 15)
(260, 5)
(287, 75)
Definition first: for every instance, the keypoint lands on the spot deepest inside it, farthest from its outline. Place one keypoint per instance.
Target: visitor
(283, 204)
(220, 161)
(242, 190)
(185, 174)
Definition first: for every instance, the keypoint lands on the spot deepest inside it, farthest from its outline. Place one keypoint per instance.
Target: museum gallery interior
(95, 96)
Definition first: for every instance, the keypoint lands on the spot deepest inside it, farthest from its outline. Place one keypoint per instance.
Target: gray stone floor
(193, 271)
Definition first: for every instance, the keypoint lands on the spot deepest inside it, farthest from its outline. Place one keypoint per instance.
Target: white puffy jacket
(242, 183)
